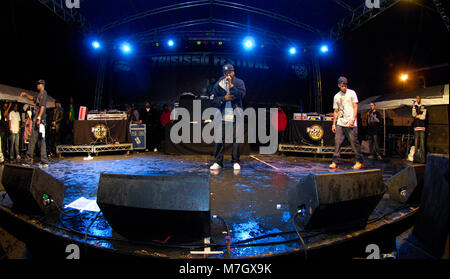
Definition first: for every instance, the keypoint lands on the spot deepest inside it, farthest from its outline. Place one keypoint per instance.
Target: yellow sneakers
(357, 166)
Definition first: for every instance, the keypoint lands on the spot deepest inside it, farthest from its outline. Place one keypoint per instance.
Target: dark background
(36, 44)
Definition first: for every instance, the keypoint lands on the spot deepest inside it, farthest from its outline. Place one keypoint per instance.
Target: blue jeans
(14, 148)
(351, 133)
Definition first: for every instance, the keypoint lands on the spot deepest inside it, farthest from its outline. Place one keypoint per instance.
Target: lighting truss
(358, 17)
(155, 34)
(71, 16)
(220, 3)
(441, 10)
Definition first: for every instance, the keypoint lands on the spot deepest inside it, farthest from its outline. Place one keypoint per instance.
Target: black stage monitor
(156, 206)
(336, 200)
(32, 190)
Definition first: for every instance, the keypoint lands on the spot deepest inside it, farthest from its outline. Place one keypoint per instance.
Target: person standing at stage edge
(419, 112)
(38, 127)
(227, 94)
(373, 127)
(150, 117)
(345, 107)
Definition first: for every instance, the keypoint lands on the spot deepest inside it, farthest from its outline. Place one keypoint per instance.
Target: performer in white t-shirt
(345, 124)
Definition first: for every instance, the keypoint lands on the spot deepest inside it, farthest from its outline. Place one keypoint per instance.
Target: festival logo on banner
(100, 131)
(315, 132)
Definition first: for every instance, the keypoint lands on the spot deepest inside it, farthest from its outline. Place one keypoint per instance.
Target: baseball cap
(228, 68)
(342, 80)
(41, 81)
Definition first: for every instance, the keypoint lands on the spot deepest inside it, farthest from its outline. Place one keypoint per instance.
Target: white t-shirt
(14, 118)
(343, 102)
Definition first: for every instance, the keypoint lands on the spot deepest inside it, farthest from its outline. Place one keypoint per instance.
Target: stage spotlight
(199, 42)
(170, 43)
(125, 48)
(292, 50)
(324, 49)
(404, 77)
(96, 45)
(249, 43)
(220, 43)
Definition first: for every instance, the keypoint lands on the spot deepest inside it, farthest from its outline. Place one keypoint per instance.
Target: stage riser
(432, 224)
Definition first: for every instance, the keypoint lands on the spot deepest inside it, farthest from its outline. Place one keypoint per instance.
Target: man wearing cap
(227, 95)
(345, 107)
(38, 127)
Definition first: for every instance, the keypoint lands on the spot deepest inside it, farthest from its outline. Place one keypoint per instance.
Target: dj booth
(100, 132)
(311, 134)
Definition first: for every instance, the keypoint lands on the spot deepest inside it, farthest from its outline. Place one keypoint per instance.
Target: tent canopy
(12, 94)
(431, 96)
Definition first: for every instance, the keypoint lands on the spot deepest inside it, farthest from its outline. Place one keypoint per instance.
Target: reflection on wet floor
(252, 201)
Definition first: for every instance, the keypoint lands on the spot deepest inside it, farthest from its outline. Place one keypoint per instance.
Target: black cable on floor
(305, 248)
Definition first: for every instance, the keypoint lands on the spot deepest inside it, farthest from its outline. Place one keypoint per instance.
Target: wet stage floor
(253, 201)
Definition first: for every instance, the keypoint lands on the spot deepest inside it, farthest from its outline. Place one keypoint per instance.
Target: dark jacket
(151, 117)
(57, 117)
(419, 116)
(219, 92)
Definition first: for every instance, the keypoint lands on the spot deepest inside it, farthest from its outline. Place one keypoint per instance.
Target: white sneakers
(216, 166)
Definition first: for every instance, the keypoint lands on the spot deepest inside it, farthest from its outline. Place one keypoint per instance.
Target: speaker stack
(156, 206)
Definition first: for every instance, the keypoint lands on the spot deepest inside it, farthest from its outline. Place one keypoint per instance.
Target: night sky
(37, 44)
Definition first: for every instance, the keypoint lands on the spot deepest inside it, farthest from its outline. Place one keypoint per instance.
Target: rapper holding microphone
(38, 126)
(227, 96)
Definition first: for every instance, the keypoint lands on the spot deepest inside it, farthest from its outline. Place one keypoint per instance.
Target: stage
(252, 202)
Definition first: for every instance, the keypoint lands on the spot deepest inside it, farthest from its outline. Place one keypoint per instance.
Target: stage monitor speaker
(337, 200)
(406, 185)
(432, 222)
(32, 190)
(156, 206)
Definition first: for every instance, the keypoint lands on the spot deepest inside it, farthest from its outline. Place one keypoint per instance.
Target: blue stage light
(96, 45)
(125, 48)
(249, 43)
(170, 43)
(292, 50)
(324, 49)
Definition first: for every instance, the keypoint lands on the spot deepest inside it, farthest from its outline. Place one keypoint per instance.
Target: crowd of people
(16, 126)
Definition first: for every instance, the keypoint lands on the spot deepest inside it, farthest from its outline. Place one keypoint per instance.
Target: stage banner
(163, 77)
(310, 132)
(91, 132)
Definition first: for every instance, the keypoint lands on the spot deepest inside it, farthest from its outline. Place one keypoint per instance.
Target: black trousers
(35, 138)
(219, 148)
